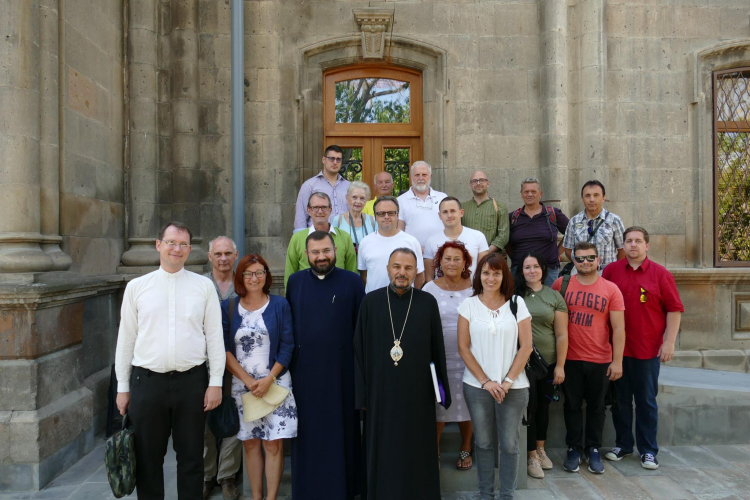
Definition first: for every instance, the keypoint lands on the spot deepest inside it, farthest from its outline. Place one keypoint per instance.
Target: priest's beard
(322, 266)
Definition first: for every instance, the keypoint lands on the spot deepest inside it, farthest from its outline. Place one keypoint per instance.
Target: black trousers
(584, 381)
(537, 413)
(162, 404)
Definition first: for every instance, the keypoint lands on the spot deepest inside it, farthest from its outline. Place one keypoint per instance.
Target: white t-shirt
(494, 339)
(474, 241)
(421, 217)
(374, 252)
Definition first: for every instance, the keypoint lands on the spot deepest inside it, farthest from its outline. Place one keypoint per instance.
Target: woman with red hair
(259, 348)
(452, 265)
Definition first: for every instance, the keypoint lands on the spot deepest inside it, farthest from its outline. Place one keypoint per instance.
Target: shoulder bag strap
(596, 228)
(227, 382)
(564, 285)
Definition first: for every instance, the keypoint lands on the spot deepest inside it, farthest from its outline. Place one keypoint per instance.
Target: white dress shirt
(170, 322)
(421, 216)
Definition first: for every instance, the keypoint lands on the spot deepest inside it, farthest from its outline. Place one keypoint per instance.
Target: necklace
(396, 352)
(449, 288)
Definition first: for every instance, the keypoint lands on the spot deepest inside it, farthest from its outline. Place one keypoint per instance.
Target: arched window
(732, 166)
(375, 114)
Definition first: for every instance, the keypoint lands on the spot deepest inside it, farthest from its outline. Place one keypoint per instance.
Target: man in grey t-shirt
(222, 252)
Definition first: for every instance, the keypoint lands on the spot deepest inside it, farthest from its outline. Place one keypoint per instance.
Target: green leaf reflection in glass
(372, 100)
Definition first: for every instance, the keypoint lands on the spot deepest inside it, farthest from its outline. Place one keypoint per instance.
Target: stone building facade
(116, 118)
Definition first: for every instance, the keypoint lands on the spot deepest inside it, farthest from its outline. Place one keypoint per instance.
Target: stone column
(142, 214)
(185, 152)
(20, 107)
(593, 90)
(49, 153)
(554, 97)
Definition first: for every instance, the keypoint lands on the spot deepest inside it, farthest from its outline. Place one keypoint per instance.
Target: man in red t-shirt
(593, 304)
(652, 320)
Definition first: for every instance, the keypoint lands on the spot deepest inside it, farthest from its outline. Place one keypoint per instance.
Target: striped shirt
(608, 238)
(494, 225)
(337, 193)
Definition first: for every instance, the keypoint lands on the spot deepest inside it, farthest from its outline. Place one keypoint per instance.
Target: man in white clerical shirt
(170, 326)
(420, 205)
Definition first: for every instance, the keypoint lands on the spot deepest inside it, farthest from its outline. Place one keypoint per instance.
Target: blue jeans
(639, 382)
(552, 275)
(487, 415)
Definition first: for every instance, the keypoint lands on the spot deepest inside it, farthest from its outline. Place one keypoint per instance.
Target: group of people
(399, 315)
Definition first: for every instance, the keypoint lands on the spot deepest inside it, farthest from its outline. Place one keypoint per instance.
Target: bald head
(479, 183)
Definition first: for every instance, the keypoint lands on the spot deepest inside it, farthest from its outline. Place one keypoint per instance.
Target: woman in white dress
(259, 349)
(452, 286)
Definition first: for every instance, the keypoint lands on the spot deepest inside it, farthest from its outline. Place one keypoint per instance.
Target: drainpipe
(238, 128)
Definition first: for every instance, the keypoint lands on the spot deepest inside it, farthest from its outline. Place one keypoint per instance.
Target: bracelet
(483, 383)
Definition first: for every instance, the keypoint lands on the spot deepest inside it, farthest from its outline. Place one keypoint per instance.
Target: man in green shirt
(319, 210)
(485, 214)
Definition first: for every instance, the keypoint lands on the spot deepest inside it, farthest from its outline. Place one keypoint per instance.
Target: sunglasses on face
(585, 258)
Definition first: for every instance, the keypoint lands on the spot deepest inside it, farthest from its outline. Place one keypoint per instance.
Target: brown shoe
(207, 487)
(229, 489)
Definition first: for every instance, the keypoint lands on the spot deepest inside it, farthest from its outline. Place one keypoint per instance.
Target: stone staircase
(696, 407)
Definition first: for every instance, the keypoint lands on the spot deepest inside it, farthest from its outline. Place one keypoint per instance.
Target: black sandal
(462, 456)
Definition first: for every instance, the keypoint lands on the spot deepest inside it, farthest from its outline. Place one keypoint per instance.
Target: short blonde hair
(358, 185)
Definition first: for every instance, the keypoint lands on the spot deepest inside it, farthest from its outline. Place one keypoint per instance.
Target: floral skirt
(279, 424)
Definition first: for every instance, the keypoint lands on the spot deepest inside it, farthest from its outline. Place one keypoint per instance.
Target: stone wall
(91, 134)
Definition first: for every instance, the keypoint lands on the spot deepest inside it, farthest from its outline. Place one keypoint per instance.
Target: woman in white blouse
(495, 344)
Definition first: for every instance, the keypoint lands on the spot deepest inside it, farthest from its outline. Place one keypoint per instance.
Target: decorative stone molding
(711, 276)
(740, 315)
(374, 24)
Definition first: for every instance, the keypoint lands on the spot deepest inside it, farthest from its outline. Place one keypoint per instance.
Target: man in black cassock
(398, 334)
(325, 301)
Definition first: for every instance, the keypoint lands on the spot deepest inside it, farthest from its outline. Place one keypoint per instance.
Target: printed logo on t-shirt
(580, 298)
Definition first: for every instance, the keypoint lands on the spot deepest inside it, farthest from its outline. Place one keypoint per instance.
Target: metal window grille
(732, 167)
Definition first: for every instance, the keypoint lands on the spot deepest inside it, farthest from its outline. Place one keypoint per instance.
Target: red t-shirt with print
(588, 313)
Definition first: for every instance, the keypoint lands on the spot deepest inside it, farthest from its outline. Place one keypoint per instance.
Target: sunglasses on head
(590, 258)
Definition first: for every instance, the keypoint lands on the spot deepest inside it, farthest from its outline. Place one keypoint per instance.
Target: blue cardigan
(278, 320)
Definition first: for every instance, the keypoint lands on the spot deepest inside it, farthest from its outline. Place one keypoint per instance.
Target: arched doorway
(374, 113)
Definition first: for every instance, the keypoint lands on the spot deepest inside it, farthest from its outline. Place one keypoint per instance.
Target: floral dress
(252, 351)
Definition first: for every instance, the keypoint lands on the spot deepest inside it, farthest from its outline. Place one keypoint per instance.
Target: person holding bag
(549, 327)
(259, 349)
(495, 343)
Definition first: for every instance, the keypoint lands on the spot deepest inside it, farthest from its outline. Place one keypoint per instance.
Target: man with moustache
(325, 302)
(383, 186)
(486, 214)
(170, 325)
(419, 215)
(592, 362)
(398, 335)
(319, 209)
(222, 253)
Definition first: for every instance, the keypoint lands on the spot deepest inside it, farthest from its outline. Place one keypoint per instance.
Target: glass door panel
(394, 155)
(357, 164)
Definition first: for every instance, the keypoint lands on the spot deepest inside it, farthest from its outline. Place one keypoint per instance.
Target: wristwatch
(508, 379)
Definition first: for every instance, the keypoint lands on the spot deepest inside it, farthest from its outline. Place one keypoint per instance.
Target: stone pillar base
(22, 253)
(142, 257)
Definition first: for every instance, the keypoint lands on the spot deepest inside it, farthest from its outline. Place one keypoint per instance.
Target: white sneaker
(534, 468)
(544, 459)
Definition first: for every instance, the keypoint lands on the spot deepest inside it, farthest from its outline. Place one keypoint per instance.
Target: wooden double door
(374, 113)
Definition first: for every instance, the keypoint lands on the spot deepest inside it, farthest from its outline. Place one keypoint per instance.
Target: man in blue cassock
(325, 302)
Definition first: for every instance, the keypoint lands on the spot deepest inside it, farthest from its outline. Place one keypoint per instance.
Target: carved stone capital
(374, 25)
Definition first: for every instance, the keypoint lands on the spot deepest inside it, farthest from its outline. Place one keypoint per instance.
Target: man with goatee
(325, 301)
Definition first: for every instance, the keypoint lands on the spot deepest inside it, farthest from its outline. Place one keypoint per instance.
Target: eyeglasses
(333, 159)
(315, 253)
(586, 258)
(389, 213)
(318, 209)
(478, 181)
(173, 243)
(257, 274)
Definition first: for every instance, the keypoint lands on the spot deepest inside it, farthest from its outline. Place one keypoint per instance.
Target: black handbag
(224, 420)
(536, 366)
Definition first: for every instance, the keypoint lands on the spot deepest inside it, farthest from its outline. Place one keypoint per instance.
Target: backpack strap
(551, 214)
(564, 285)
(514, 217)
(494, 204)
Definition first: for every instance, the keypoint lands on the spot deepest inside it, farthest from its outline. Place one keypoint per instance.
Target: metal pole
(238, 127)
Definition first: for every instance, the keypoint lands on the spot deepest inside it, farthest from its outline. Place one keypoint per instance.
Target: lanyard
(351, 227)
